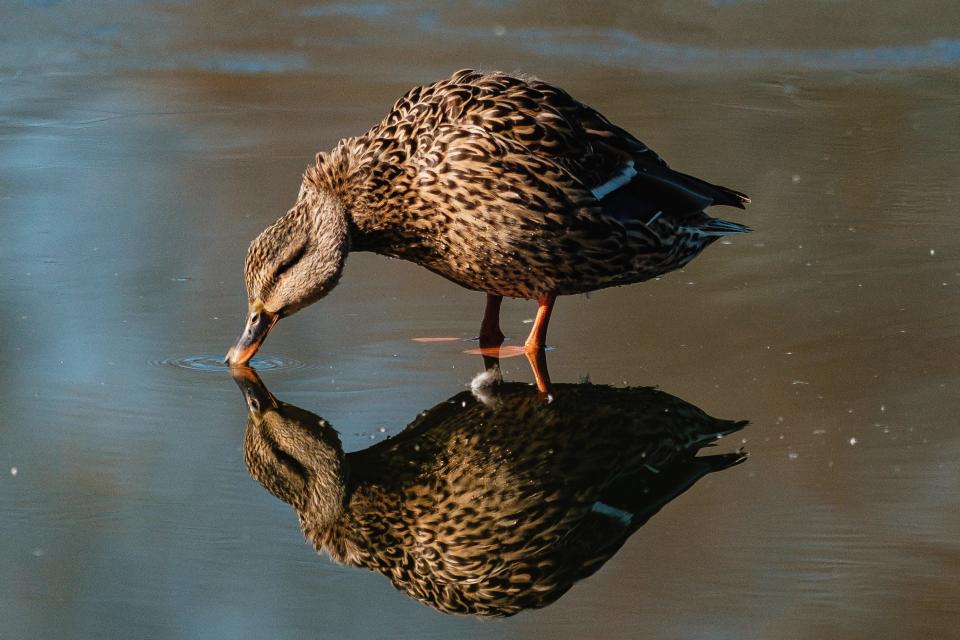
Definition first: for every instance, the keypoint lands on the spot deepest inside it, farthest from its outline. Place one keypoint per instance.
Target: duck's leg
(490, 334)
(538, 335)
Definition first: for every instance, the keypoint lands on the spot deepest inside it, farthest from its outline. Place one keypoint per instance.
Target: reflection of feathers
(489, 509)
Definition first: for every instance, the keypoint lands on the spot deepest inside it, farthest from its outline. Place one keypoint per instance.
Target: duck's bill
(258, 326)
(255, 393)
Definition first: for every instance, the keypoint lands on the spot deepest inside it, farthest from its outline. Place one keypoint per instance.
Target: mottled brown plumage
(486, 507)
(501, 184)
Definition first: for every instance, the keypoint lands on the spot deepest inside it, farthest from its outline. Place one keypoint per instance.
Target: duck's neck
(370, 190)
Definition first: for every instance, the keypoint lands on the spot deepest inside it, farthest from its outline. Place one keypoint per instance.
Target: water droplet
(853, 441)
(13, 471)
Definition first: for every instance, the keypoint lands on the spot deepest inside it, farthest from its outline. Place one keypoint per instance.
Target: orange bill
(258, 326)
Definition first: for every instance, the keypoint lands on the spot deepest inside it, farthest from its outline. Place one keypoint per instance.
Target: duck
(503, 184)
(485, 505)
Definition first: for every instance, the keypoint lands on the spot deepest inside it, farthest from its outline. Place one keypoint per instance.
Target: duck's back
(509, 185)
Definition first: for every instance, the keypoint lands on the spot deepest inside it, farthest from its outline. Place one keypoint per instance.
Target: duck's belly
(516, 274)
(509, 260)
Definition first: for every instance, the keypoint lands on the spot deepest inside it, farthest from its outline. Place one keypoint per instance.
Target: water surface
(142, 148)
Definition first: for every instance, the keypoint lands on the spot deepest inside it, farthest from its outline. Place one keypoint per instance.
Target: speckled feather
(489, 509)
(492, 181)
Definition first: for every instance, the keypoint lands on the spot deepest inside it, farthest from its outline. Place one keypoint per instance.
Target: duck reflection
(486, 504)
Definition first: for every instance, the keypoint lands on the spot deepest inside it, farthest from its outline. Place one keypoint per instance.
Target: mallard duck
(485, 507)
(499, 183)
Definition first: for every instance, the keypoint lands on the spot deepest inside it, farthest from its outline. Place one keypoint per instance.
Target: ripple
(215, 363)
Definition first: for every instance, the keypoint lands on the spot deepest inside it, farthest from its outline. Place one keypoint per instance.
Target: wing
(551, 125)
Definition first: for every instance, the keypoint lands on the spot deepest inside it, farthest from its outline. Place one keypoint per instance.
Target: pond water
(143, 146)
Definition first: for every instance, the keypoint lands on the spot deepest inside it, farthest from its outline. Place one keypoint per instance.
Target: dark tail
(720, 195)
(716, 228)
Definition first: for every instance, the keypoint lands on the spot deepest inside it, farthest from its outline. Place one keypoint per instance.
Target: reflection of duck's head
(292, 452)
(487, 509)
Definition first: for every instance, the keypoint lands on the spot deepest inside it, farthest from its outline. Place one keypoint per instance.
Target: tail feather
(715, 227)
(719, 194)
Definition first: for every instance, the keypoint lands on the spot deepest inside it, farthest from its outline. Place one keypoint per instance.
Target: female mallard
(501, 184)
(486, 508)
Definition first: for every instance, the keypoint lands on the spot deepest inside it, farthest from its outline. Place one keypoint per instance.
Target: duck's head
(293, 263)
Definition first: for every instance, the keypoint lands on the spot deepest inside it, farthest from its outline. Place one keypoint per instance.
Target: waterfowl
(502, 184)
(485, 507)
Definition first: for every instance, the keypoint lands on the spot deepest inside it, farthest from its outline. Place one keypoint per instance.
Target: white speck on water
(819, 432)
(13, 471)
(499, 30)
(933, 252)
(853, 441)
(793, 455)
(382, 429)
(799, 382)
(528, 321)
(373, 437)
(38, 553)
(795, 178)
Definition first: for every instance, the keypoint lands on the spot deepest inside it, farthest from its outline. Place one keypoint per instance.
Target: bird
(485, 505)
(503, 184)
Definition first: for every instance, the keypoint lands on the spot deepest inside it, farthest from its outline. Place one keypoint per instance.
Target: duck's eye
(289, 262)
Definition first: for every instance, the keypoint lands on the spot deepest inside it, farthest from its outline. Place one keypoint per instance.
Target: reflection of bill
(486, 507)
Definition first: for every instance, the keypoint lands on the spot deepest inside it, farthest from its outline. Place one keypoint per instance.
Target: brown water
(143, 146)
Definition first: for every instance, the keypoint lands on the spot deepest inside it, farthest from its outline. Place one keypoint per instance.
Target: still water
(143, 146)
